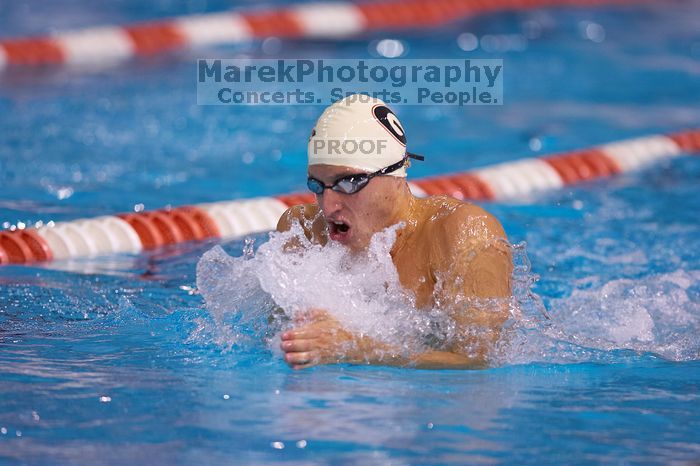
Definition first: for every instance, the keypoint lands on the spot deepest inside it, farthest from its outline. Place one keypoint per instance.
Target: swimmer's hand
(320, 339)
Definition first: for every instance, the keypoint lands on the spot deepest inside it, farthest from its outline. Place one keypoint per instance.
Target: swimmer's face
(354, 218)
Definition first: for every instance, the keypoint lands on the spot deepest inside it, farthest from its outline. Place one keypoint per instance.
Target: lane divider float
(330, 20)
(136, 232)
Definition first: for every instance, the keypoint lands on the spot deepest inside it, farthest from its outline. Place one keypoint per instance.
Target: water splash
(251, 298)
(362, 291)
(656, 315)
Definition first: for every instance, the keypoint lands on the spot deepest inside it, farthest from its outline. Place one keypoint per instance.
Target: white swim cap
(360, 132)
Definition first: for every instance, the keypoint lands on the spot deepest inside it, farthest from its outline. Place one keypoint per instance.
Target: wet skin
(443, 238)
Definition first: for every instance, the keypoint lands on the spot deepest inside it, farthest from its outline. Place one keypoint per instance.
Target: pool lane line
(136, 232)
(329, 20)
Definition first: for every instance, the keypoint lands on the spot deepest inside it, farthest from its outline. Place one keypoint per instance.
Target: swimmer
(357, 161)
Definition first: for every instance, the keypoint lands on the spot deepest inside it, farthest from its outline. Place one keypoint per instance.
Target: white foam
(654, 314)
(362, 292)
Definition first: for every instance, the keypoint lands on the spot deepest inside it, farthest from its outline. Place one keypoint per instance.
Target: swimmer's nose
(330, 202)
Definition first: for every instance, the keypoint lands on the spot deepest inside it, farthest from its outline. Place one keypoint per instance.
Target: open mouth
(339, 230)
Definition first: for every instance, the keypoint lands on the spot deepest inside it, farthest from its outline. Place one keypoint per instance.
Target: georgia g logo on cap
(386, 117)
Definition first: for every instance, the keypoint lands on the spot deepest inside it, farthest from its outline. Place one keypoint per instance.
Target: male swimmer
(357, 162)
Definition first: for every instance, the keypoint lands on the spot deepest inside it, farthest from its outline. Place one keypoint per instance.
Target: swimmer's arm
(475, 266)
(473, 258)
(444, 360)
(430, 360)
(306, 215)
(289, 217)
(322, 340)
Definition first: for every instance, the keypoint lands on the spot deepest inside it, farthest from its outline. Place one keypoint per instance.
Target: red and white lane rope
(311, 20)
(134, 232)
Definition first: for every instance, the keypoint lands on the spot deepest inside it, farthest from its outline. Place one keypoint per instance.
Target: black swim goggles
(350, 184)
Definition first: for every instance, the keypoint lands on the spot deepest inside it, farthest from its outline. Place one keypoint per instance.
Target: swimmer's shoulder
(450, 219)
(307, 215)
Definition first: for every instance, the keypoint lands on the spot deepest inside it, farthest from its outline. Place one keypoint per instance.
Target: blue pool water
(115, 360)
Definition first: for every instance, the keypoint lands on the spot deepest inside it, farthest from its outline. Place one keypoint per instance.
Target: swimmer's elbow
(448, 360)
(290, 216)
(285, 221)
(302, 214)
